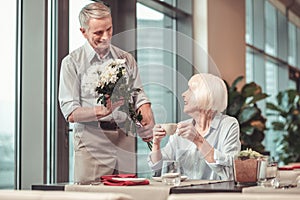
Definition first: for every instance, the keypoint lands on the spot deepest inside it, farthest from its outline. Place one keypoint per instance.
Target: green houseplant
(243, 106)
(287, 109)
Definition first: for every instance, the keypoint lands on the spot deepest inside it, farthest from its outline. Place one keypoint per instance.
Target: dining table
(159, 191)
(154, 190)
(284, 189)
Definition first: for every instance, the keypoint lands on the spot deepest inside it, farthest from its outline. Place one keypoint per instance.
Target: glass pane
(271, 79)
(7, 94)
(292, 44)
(272, 90)
(282, 39)
(156, 59)
(292, 84)
(75, 40)
(249, 66)
(258, 24)
(271, 29)
(249, 21)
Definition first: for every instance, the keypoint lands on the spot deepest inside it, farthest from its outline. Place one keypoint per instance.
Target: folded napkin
(286, 167)
(295, 165)
(290, 166)
(109, 180)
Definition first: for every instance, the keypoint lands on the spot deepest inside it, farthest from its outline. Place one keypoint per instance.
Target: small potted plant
(246, 166)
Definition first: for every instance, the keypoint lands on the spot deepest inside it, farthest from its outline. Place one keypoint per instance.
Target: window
(164, 58)
(267, 64)
(7, 95)
(157, 62)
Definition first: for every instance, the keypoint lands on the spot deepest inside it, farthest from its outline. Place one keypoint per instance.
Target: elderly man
(100, 146)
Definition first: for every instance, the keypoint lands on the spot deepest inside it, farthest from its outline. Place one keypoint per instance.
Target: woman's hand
(188, 131)
(158, 134)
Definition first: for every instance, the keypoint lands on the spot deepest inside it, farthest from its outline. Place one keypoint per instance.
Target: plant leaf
(278, 126)
(235, 82)
(248, 113)
(250, 89)
(258, 97)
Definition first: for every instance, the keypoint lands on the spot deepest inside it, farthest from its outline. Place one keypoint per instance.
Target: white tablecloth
(289, 176)
(153, 191)
(232, 196)
(286, 177)
(270, 190)
(59, 195)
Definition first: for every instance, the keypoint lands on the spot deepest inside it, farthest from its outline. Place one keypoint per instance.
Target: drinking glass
(262, 172)
(272, 170)
(170, 172)
(273, 174)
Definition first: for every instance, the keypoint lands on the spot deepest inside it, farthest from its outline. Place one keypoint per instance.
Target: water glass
(273, 174)
(170, 172)
(262, 172)
(272, 170)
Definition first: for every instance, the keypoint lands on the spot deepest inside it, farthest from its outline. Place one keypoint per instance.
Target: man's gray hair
(95, 10)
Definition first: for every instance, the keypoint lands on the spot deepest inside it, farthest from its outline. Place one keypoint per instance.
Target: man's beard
(102, 48)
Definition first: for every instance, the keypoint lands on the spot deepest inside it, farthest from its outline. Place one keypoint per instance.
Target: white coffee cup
(170, 128)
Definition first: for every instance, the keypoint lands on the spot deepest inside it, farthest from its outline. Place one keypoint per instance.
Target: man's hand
(145, 132)
(87, 114)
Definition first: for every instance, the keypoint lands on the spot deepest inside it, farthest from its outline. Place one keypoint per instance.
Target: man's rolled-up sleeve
(69, 88)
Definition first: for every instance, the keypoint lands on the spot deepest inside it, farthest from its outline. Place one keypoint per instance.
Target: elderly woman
(205, 144)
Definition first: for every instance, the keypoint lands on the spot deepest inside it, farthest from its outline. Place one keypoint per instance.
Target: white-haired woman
(205, 144)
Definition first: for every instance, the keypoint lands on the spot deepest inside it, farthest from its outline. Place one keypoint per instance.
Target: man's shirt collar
(92, 55)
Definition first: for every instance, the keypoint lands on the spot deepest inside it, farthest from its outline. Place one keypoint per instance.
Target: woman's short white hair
(96, 10)
(210, 92)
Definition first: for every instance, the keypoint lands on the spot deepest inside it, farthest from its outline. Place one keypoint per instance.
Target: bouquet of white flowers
(113, 83)
(113, 74)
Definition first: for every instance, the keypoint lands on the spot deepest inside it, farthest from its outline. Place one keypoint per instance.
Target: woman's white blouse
(223, 136)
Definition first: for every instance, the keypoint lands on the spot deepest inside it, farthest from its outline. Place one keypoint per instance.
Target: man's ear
(82, 30)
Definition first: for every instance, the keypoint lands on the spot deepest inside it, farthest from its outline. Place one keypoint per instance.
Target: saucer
(158, 178)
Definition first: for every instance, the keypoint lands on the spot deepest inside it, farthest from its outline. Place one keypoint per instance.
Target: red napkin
(286, 167)
(295, 165)
(108, 180)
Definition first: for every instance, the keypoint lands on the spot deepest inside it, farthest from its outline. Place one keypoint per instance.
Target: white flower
(95, 77)
(118, 62)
